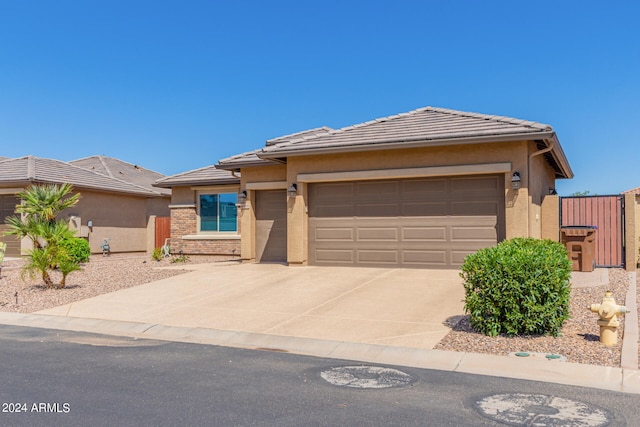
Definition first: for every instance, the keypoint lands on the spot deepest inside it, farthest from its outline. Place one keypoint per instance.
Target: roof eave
(80, 187)
(236, 166)
(412, 143)
(560, 157)
(196, 183)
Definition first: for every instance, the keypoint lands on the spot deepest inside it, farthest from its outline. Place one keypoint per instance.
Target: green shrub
(519, 287)
(157, 254)
(77, 249)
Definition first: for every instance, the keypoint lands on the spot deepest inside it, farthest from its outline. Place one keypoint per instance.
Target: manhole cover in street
(540, 410)
(366, 377)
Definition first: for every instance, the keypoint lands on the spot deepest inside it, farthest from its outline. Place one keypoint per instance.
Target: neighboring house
(419, 189)
(117, 200)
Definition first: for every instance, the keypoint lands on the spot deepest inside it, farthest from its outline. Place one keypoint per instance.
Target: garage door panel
(424, 234)
(378, 234)
(469, 234)
(430, 223)
(334, 234)
(334, 191)
(377, 256)
(474, 208)
(336, 211)
(421, 187)
(334, 256)
(377, 209)
(424, 258)
(367, 189)
(488, 185)
(424, 208)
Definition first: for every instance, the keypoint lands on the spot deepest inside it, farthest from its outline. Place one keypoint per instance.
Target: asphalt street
(50, 378)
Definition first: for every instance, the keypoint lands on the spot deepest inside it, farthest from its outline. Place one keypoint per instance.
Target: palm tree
(45, 202)
(39, 261)
(38, 221)
(41, 205)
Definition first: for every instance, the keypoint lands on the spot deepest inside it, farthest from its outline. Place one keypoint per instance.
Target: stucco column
(550, 218)
(516, 211)
(151, 234)
(631, 255)
(247, 227)
(296, 226)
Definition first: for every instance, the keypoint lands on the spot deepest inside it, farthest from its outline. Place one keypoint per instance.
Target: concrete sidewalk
(383, 316)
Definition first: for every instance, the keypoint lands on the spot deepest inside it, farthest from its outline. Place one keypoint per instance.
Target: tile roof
(635, 191)
(207, 175)
(251, 158)
(31, 169)
(116, 168)
(311, 133)
(424, 124)
(423, 127)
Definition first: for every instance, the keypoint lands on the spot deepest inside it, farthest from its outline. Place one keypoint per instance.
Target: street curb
(536, 369)
(629, 354)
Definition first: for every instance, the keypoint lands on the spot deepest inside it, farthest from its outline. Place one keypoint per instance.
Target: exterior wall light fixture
(242, 198)
(515, 181)
(292, 190)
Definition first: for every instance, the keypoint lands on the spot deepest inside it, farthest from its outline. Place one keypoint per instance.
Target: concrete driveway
(397, 307)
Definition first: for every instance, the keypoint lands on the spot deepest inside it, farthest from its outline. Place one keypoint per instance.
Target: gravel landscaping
(100, 275)
(579, 341)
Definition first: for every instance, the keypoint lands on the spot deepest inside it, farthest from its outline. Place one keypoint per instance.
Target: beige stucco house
(117, 200)
(418, 189)
(204, 211)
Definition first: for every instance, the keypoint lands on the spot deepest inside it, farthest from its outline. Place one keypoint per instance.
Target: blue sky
(177, 85)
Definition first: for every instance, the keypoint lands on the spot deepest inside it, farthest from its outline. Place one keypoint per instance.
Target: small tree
(38, 221)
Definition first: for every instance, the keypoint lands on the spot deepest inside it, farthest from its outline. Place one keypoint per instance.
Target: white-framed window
(217, 212)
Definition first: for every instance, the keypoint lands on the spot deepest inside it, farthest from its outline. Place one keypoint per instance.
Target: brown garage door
(7, 208)
(271, 226)
(431, 222)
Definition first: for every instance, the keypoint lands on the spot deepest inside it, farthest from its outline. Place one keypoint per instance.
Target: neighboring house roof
(116, 168)
(204, 176)
(635, 191)
(31, 169)
(423, 127)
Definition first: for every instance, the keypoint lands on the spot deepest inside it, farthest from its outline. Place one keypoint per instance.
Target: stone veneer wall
(184, 223)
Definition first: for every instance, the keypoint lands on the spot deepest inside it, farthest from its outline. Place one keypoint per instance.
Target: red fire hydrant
(608, 311)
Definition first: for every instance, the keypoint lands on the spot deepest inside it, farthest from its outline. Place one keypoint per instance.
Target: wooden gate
(163, 230)
(604, 212)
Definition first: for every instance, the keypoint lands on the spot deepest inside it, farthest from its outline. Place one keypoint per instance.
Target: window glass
(228, 212)
(218, 212)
